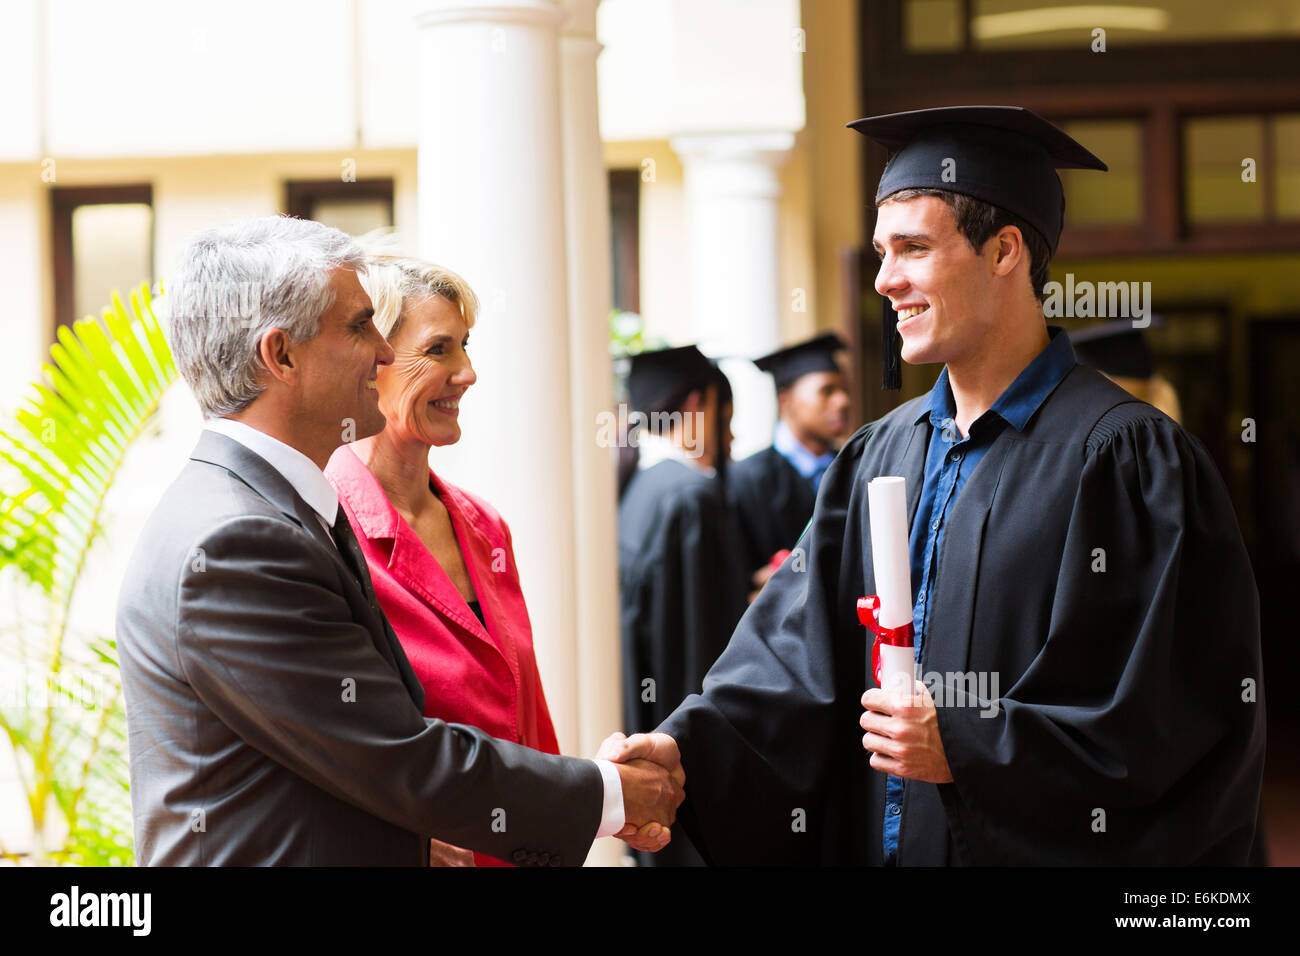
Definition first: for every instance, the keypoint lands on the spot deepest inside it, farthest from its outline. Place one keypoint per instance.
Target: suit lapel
(947, 647)
(910, 465)
(889, 460)
(361, 572)
(477, 551)
(258, 474)
(412, 565)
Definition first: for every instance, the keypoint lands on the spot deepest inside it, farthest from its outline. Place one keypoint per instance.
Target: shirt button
(955, 456)
(934, 525)
(895, 809)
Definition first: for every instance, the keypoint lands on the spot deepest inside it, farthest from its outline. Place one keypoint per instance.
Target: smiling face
(940, 287)
(420, 392)
(337, 367)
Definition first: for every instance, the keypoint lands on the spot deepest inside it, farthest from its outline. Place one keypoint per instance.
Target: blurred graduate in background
(774, 489)
(682, 586)
(1121, 353)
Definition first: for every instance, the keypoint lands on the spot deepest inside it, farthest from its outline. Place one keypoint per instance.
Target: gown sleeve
(1137, 732)
(764, 746)
(698, 598)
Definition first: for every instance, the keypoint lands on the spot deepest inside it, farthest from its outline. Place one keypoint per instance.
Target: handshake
(650, 768)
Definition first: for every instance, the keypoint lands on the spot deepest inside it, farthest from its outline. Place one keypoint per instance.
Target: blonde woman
(430, 545)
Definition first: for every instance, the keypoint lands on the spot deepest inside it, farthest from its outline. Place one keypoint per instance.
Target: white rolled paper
(897, 668)
(892, 565)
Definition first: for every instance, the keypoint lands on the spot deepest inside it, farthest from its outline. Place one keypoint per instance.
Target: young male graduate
(682, 587)
(774, 489)
(1085, 618)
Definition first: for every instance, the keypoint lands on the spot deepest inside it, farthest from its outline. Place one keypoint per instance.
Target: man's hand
(903, 735)
(444, 854)
(659, 749)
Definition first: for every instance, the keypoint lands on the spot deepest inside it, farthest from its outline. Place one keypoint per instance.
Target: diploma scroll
(888, 612)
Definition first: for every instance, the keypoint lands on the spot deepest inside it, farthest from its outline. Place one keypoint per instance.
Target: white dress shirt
(314, 488)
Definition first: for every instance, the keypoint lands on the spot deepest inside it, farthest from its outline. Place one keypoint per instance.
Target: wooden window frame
(1250, 77)
(64, 201)
(625, 238)
(301, 195)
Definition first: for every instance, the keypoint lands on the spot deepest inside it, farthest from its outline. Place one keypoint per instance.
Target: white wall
(190, 193)
(24, 271)
(85, 78)
(19, 73)
(684, 66)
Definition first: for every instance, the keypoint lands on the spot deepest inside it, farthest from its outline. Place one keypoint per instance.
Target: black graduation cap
(788, 364)
(657, 379)
(1116, 348)
(1003, 155)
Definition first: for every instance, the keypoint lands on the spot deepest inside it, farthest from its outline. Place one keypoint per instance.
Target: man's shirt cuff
(611, 814)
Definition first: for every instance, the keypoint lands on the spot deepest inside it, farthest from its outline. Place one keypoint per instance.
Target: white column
(491, 208)
(595, 480)
(733, 192)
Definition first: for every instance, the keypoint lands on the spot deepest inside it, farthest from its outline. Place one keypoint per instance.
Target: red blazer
(471, 675)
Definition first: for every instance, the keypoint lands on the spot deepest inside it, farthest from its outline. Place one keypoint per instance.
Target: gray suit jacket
(273, 717)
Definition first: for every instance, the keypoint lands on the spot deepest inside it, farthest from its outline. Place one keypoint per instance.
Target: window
(1005, 24)
(1242, 168)
(1286, 154)
(355, 207)
(931, 26)
(102, 241)
(1115, 197)
(625, 242)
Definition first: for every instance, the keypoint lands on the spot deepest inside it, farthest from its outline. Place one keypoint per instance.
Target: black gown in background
(1092, 563)
(773, 503)
(682, 592)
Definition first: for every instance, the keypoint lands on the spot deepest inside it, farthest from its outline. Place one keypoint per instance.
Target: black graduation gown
(682, 592)
(1121, 690)
(773, 502)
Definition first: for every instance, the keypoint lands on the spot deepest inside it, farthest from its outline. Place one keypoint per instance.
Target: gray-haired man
(273, 716)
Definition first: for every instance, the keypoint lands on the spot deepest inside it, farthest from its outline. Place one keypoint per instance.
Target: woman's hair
(394, 282)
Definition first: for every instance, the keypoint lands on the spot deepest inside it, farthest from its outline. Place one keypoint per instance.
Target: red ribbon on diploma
(868, 614)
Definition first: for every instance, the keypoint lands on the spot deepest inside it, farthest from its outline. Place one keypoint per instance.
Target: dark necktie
(351, 552)
(356, 562)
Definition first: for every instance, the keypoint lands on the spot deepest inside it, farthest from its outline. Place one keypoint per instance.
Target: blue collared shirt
(805, 462)
(949, 461)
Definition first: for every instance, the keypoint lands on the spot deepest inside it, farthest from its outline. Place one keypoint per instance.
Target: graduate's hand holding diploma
(902, 726)
(657, 749)
(903, 734)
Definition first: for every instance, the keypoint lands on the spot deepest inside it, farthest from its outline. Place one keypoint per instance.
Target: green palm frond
(103, 383)
(58, 460)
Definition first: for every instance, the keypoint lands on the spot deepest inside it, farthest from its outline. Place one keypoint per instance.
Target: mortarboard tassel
(890, 359)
